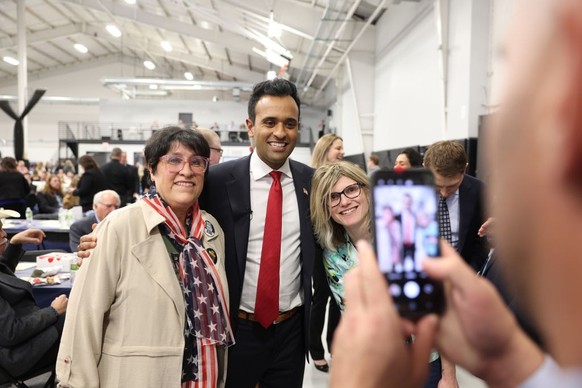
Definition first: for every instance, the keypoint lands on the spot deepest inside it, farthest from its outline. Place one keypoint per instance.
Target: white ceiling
(213, 39)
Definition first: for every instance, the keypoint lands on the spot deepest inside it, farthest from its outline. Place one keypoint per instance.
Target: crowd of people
(207, 281)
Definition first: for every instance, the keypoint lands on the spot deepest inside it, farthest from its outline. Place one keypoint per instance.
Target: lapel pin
(305, 191)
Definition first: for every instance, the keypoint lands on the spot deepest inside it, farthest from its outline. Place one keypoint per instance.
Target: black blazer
(226, 196)
(92, 181)
(47, 203)
(473, 248)
(27, 332)
(119, 178)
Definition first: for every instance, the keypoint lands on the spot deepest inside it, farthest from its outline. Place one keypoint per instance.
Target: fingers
(450, 267)
(374, 287)
(426, 330)
(93, 226)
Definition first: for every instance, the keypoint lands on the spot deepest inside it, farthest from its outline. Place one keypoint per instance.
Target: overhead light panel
(149, 65)
(132, 2)
(81, 48)
(10, 60)
(113, 30)
(271, 75)
(166, 45)
(274, 29)
(189, 76)
(154, 86)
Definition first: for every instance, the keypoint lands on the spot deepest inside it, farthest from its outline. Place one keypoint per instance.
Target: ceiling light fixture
(132, 2)
(271, 75)
(81, 48)
(154, 87)
(273, 57)
(166, 45)
(189, 76)
(274, 30)
(10, 60)
(113, 30)
(149, 65)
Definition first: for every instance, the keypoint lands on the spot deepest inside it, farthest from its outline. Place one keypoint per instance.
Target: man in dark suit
(118, 176)
(464, 199)
(236, 193)
(133, 192)
(29, 335)
(104, 202)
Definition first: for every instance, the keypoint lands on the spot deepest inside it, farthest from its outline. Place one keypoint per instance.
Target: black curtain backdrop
(18, 129)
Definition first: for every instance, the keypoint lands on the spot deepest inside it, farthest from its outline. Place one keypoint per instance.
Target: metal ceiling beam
(44, 35)
(168, 24)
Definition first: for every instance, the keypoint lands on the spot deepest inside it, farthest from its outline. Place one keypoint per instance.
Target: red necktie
(267, 302)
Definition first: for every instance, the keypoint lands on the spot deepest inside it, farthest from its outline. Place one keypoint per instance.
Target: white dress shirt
(551, 375)
(290, 288)
(454, 215)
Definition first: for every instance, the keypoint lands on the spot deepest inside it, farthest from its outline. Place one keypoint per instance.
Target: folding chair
(19, 381)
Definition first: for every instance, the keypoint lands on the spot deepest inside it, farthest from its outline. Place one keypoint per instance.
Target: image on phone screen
(406, 232)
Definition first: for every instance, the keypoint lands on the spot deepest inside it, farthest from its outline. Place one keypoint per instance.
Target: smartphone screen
(406, 231)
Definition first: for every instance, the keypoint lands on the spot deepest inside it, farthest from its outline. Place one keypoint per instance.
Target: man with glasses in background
(214, 142)
(104, 202)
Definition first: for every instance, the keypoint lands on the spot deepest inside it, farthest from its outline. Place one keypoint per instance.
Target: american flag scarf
(206, 310)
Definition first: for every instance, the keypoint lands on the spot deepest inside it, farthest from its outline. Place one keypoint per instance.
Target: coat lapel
(466, 198)
(238, 189)
(150, 252)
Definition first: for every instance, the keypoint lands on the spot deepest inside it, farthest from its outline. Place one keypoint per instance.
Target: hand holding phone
(406, 231)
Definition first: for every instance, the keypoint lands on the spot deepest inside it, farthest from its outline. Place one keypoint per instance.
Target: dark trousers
(321, 294)
(272, 357)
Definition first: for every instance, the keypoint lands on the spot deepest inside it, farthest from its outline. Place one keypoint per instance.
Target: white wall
(408, 95)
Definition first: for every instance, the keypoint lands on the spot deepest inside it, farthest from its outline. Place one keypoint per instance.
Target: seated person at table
(29, 335)
(104, 202)
(50, 199)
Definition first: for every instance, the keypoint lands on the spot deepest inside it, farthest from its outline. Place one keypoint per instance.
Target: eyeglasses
(176, 163)
(219, 150)
(352, 192)
(109, 205)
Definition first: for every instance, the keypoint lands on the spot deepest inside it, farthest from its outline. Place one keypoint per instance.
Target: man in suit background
(104, 202)
(133, 193)
(236, 193)
(117, 175)
(29, 335)
(464, 199)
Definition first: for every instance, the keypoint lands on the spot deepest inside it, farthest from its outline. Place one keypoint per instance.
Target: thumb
(423, 343)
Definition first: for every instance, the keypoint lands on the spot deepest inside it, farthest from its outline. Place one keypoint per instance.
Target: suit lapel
(465, 211)
(14, 282)
(238, 189)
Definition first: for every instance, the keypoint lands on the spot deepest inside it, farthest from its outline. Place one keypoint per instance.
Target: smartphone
(406, 231)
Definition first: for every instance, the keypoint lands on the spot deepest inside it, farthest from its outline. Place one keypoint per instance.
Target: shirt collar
(260, 169)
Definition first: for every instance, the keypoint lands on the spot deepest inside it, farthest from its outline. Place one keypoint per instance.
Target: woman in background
(50, 199)
(345, 218)
(328, 149)
(409, 158)
(13, 187)
(92, 181)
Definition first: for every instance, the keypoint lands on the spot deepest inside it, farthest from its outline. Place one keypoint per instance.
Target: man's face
(447, 185)
(275, 129)
(104, 206)
(123, 158)
(215, 150)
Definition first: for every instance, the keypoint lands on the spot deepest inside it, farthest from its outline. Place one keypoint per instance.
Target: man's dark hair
(413, 156)
(277, 87)
(160, 143)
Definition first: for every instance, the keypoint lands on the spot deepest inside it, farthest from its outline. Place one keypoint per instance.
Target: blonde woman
(328, 149)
